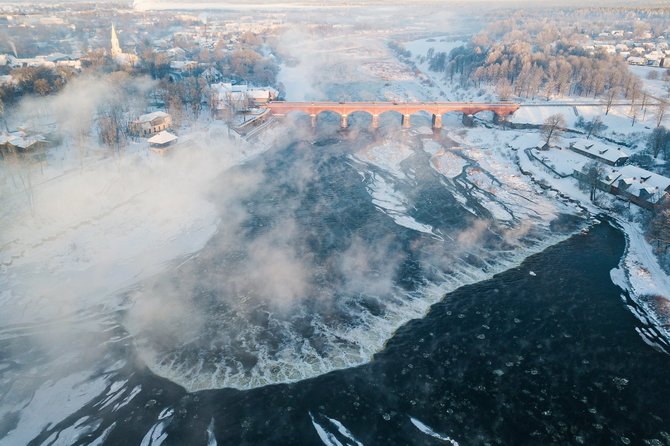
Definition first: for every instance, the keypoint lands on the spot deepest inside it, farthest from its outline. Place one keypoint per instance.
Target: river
(344, 303)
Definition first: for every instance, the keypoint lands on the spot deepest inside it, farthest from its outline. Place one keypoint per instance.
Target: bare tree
(175, 107)
(193, 92)
(2, 111)
(658, 140)
(113, 125)
(634, 92)
(659, 228)
(42, 87)
(594, 127)
(504, 90)
(611, 95)
(552, 128)
(591, 177)
(660, 112)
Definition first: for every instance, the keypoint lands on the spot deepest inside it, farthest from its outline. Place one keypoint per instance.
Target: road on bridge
(436, 109)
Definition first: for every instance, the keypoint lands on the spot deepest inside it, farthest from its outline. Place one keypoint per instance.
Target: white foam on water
(356, 335)
(349, 344)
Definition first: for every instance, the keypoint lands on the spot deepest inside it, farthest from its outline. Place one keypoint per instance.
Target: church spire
(116, 48)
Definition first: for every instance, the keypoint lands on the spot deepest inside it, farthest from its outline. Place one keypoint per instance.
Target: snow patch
(428, 431)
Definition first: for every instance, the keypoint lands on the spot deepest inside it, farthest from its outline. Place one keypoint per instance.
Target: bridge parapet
(406, 109)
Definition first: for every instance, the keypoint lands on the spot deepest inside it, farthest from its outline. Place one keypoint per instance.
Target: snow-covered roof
(636, 60)
(20, 140)
(183, 64)
(222, 87)
(151, 116)
(54, 57)
(163, 137)
(211, 71)
(262, 93)
(639, 181)
(599, 149)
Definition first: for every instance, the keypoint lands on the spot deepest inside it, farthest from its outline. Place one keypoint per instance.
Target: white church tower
(116, 48)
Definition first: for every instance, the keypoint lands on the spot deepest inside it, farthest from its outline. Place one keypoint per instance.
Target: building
(211, 75)
(599, 151)
(151, 123)
(636, 185)
(183, 66)
(636, 60)
(19, 142)
(117, 53)
(161, 141)
(261, 96)
(227, 99)
(116, 47)
(179, 69)
(639, 186)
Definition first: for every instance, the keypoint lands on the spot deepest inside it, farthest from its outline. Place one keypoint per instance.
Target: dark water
(519, 359)
(548, 358)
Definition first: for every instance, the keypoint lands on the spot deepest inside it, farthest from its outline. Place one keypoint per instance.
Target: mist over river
(358, 291)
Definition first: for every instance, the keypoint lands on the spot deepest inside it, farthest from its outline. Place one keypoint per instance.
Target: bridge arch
(362, 118)
(325, 115)
(297, 118)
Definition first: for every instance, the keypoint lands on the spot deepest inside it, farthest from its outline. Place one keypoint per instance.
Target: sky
(334, 3)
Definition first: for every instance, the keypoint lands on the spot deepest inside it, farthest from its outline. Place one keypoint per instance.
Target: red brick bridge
(406, 109)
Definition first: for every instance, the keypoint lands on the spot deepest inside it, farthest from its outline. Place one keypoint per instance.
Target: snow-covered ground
(94, 229)
(122, 219)
(619, 120)
(127, 217)
(625, 124)
(656, 87)
(639, 273)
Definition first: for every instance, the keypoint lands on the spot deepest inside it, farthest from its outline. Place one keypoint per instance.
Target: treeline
(536, 60)
(35, 80)
(589, 20)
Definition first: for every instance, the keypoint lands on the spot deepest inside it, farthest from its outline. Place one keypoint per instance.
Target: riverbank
(639, 272)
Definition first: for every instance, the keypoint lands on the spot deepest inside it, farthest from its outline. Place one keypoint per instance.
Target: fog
(225, 263)
(210, 252)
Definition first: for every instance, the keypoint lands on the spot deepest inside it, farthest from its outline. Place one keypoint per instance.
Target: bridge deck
(503, 108)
